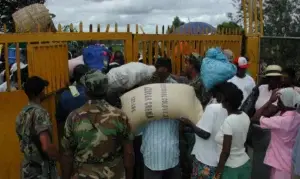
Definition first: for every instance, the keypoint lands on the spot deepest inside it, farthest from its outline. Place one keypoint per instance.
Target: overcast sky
(147, 13)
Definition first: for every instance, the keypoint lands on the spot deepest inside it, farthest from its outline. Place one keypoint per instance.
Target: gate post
(252, 52)
(129, 48)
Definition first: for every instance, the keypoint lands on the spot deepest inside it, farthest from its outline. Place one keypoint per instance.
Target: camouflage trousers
(30, 170)
(92, 171)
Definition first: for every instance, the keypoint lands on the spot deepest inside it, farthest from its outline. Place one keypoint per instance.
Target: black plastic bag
(249, 108)
(249, 105)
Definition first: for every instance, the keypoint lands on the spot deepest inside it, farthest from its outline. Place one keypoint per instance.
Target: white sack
(74, 62)
(161, 101)
(129, 75)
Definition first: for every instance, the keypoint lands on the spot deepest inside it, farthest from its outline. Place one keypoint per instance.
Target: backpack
(96, 57)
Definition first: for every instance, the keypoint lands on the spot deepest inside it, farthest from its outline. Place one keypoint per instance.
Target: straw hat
(273, 70)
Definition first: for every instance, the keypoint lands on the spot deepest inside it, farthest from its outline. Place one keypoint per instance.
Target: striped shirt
(160, 145)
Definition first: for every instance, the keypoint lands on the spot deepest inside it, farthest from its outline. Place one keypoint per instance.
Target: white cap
(242, 62)
(14, 67)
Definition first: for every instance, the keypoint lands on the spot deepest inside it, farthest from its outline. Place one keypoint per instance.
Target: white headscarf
(290, 98)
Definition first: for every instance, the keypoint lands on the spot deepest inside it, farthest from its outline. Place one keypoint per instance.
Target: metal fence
(284, 51)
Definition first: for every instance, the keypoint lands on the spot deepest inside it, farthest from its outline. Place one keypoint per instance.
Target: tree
(176, 23)
(239, 16)
(8, 7)
(281, 18)
(230, 25)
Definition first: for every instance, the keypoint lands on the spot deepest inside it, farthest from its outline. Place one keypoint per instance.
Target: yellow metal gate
(49, 61)
(252, 52)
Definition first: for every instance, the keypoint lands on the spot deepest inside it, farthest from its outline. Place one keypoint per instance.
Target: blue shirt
(68, 103)
(160, 144)
(296, 155)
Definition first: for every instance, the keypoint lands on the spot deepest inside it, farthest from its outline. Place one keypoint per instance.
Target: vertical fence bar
(144, 54)
(245, 16)
(18, 65)
(150, 55)
(255, 16)
(156, 48)
(261, 19)
(162, 47)
(250, 13)
(7, 74)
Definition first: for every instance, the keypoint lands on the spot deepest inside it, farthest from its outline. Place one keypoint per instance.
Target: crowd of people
(248, 129)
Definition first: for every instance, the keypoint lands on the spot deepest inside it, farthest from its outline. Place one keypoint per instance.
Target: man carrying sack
(160, 144)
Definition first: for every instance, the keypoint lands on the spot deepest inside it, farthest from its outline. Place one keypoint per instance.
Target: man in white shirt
(242, 80)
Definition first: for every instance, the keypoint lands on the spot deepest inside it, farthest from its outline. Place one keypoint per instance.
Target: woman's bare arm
(224, 155)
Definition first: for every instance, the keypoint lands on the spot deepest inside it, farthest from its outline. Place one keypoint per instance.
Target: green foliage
(8, 7)
(239, 14)
(176, 23)
(282, 51)
(281, 18)
(230, 25)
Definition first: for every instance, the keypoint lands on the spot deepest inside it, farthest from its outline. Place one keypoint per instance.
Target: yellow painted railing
(147, 45)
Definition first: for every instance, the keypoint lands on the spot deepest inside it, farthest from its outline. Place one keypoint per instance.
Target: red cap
(241, 62)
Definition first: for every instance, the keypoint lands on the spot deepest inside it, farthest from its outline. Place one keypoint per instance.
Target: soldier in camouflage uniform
(34, 129)
(97, 142)
(192, 69)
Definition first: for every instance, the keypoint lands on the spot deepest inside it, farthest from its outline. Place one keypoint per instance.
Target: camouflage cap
(95, 82)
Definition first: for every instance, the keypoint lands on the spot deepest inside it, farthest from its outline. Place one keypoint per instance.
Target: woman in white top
(234, 163)
(205, 156)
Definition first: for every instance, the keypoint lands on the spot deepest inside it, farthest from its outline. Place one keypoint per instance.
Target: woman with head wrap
(284, 128)
(97, 142)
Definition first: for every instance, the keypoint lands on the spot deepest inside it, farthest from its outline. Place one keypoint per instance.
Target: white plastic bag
(129, 75)
(160, 101)
(73, 63)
